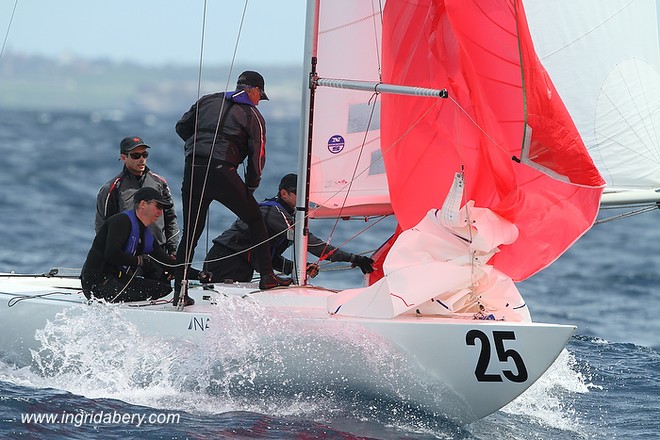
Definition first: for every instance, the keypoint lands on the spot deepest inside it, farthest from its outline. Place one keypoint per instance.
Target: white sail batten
(604, 59)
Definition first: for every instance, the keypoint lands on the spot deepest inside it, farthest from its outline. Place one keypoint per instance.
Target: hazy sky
(156, 31)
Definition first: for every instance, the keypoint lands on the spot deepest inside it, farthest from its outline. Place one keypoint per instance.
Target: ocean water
(605, 385)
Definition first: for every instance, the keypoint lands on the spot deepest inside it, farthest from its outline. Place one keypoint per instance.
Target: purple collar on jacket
(239, 97)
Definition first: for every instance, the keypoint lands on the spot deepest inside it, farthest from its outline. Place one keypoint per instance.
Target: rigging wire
(474, 298)
(376, 36)
(356, 173)
(476, 124)
(348, 240)
(597, 26)
(188, 251)
(125, 286)
(188, 214)
(642, 209)
(11, 20)
(353, 176)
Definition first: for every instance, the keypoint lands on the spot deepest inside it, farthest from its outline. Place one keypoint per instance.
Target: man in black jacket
(229, 258)
(122, 246)
(220, 131)
(116, 195)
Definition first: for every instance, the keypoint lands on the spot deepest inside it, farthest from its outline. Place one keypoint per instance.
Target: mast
(301, 228)
(310, 82)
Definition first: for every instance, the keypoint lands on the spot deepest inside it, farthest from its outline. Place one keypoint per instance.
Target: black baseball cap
(148, 194)
(289, 183)
(131, 143)
(253, 79)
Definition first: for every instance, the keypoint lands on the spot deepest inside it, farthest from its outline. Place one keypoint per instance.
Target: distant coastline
(74, 84)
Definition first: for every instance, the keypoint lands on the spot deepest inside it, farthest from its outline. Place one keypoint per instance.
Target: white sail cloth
(440, 267)
(604, 59)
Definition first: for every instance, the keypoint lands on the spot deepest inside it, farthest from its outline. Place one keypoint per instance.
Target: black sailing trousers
(224, 185)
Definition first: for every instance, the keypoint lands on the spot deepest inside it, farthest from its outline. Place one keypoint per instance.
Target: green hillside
(37, 83)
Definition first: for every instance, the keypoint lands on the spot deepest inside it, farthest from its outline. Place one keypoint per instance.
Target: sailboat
(440, 113)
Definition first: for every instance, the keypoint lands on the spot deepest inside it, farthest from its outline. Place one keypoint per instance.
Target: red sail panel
(500, 95)
(380, 255)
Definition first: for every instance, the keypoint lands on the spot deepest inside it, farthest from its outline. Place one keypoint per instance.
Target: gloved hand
(364, 263)
(144, 260)
(168, 270)
(312, 270)
(205, 276)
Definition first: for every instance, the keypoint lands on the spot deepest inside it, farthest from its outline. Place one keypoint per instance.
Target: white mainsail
(347, 122)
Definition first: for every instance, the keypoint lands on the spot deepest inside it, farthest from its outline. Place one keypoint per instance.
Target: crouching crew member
(122, 245)
(230, 257)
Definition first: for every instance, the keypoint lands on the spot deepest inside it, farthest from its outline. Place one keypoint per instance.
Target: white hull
(472, 367)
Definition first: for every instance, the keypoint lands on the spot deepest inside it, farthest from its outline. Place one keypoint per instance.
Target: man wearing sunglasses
(117, 194)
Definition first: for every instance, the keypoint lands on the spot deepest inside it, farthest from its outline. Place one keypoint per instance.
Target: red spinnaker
(500, 95)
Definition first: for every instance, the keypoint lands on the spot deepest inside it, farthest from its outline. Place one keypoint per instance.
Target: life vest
(134, 238)
(281, 242)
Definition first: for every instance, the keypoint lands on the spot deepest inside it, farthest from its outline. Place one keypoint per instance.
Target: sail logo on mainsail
(336, 144)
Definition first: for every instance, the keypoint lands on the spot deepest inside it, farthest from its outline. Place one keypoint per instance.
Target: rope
(18, 298)
(125, 286)
(213, 260)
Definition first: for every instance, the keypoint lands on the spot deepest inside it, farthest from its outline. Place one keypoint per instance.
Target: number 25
(502, 354)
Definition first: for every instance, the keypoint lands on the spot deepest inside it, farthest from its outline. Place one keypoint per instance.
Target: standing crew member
(220, 131)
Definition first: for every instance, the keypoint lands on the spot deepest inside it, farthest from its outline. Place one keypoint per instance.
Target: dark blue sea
(605, 385)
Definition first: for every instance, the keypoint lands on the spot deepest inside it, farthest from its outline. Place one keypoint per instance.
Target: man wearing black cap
(221, 131)
(122, 246)
(117, 195)
(229, 259)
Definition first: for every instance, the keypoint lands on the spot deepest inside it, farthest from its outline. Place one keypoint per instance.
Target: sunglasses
(136, 156)
(158, 205)
(262, 95)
